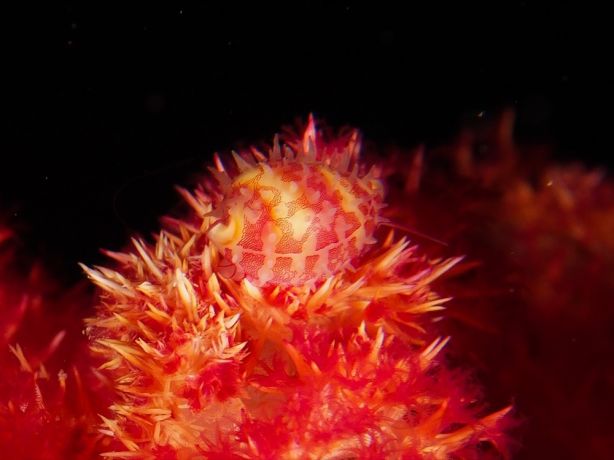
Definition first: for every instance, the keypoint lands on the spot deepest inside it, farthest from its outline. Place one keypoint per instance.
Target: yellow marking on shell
(228, 233)
(280, 211)
(267, 195)
(349, 202)
(300, 222)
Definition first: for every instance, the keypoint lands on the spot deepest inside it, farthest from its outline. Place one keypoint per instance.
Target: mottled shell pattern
(298, 216)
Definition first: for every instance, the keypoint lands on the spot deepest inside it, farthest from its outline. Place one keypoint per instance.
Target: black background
(106, 106)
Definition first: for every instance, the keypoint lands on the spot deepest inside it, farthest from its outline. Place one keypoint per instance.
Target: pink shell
(296, 219)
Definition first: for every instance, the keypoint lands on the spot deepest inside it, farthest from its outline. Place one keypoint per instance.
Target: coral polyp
(298, 216)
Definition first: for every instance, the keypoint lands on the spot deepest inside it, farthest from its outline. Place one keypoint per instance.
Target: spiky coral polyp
(205, 363)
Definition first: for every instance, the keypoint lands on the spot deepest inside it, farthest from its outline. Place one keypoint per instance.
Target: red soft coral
(208, 363)
(46, 405)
